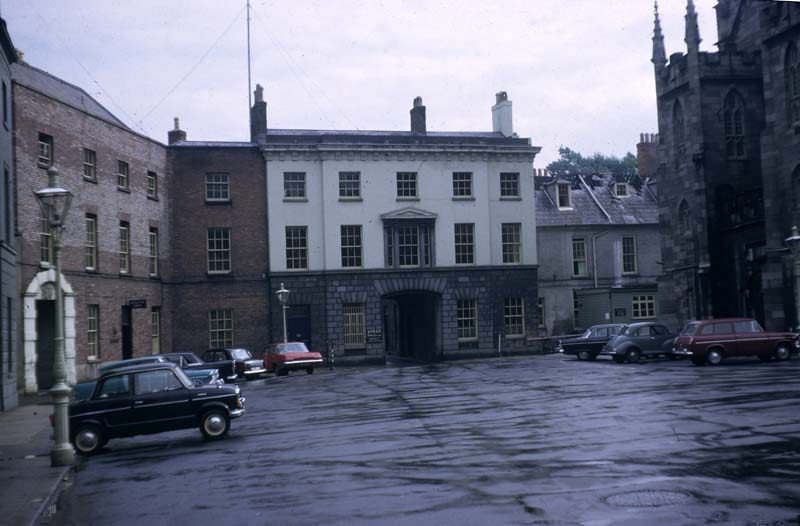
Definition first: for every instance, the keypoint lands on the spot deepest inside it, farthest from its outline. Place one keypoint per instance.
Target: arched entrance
(39, 320)
(411, 324)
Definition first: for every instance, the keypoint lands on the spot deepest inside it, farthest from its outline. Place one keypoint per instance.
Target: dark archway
(45, 343)
(411, 325)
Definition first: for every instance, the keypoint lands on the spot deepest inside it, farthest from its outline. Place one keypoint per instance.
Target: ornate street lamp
(283, 297)
(794, 243)
(55, 202)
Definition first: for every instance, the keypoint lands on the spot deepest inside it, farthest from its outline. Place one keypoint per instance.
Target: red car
(712, 341)
(281, 358)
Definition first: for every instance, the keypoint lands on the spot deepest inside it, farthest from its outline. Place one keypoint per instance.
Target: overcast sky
(577, 71)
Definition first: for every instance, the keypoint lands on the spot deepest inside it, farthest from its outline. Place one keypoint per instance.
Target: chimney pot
(176, 134)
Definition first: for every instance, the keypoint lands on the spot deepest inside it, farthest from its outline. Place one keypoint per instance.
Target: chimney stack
(501, 115)
(258, 117)
(176, 135)
(418, 117)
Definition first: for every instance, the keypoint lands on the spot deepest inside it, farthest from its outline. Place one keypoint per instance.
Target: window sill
(350, 199)
(295, 200)
(153, 198)
(123, 189)
(565, 209)
(511, 198)
(218, 202)
(223, 273)
(91, 270)
(154, 276)
(305, 269)
(463, 198)
(125, 275)
(92, 358)
(408, 198)
(90, 179)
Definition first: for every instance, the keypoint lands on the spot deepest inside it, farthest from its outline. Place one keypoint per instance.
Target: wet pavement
(531, 440)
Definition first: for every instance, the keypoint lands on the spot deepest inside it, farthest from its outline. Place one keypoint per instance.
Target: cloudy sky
(577, 71)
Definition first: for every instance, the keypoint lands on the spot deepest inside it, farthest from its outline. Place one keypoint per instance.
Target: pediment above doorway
(409, 213)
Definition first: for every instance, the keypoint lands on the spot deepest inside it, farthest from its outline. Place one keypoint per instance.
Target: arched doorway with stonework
(39, 330)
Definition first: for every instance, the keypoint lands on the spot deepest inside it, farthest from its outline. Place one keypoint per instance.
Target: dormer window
(563, 196)
(621, 189)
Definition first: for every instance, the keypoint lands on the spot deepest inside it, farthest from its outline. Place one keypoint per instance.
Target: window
(44, 157)
(514, 316)
(408, 244)
(563, 195)
(621, 189)
(512, 242)
(155, 330)
(406, 185)
(509, 184)
(294, 185)
(90, 250)
(462, 184)
(45, 241)
(465, 243)
(220, 328)
(579, 257)
(89, 164)
(156, 381)
(116, 386)
(354, 326)
(152, 185)
(733, 117)
(219, 250)
(296, 247)
(123, 179)
(351, 245)
(644, 307)
(217, 187)
(93, 331)
(629, 265)
(349, 185)
(152, 266)
(124, 248)
(792, 73)
(467, 319)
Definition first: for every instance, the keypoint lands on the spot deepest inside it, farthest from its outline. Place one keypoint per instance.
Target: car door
(112, 402)
(662, 338)
(725, 337)
(597, 338)
(160, 401)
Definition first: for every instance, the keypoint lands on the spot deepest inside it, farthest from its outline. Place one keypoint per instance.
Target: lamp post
(794, 243)
(55, 202)
(283, 297)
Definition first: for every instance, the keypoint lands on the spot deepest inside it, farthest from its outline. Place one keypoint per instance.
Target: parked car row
(703, 342)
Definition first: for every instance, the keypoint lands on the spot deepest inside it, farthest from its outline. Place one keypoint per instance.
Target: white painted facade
(323, 212)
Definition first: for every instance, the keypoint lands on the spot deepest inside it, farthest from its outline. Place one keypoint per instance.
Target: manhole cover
(648, 498)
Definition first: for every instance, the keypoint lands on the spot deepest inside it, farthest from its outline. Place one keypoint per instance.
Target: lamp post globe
(54, 202)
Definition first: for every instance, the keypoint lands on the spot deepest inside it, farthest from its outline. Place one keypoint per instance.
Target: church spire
(659, 54)
(692, 29)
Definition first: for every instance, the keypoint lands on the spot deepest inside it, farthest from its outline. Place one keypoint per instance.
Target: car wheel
(714, 357)
(619, 359)
(633, 356)
(584, 355)
(88, 439)
(214, 424)
(782, 352)
(309, 370)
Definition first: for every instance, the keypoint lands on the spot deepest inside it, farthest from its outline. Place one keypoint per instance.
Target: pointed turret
(659, 54)
(692, 30)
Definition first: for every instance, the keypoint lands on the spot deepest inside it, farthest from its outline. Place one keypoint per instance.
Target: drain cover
(648, 498)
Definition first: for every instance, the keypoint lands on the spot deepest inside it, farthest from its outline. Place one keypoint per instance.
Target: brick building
(414, 244)
(729, 164)
(8, 245)
(599, 250)
(116, 243)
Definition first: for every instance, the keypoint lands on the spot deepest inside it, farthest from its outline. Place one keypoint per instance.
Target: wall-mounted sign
(620, 313)
(137, 304)
(374, 335)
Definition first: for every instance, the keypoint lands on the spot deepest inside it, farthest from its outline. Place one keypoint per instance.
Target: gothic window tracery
(733, 117)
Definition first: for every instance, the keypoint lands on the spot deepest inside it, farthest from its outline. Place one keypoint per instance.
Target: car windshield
(183, 378)
(630, 330)
(586, 333)
(241, 354)
(132, 361)
(285, 348)
(191, 358)
(690, 328)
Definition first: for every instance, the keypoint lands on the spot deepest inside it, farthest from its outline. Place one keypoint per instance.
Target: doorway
(45, 343)
(298, 324)
(127, 332)
(411, 325)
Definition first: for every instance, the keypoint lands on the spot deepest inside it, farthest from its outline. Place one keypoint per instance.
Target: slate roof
(313, 137)
(51, 86)
(215, 144)
(638, 208)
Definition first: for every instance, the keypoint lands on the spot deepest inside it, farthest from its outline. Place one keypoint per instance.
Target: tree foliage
(572, 162)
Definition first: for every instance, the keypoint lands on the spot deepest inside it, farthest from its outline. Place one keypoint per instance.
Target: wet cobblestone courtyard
(526, 440)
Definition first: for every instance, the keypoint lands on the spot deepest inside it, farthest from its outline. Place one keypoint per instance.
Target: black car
(589, 344)
(640, 340)
(189, 360)
(246, 366)
(144, 399)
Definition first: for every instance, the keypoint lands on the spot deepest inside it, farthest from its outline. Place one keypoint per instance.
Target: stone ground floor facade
(424, 314)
